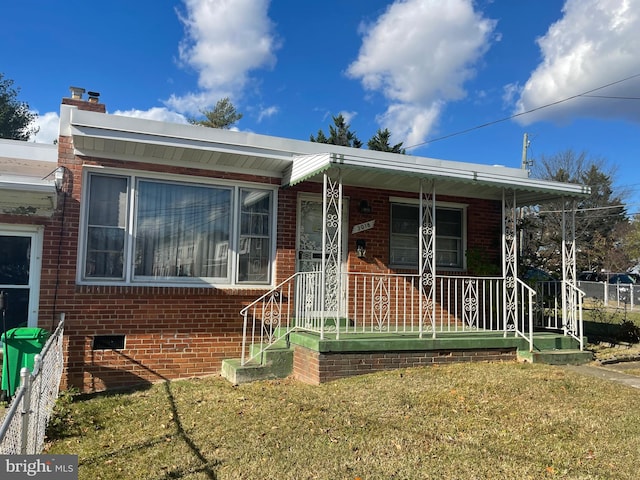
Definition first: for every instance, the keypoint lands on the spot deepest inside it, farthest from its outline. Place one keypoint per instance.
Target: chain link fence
(616, 295)
(25, 421)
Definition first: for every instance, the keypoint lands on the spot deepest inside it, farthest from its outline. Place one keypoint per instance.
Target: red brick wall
(182, 332)
(170, 332)
(484, 224)
(313, 367)
(85, 105)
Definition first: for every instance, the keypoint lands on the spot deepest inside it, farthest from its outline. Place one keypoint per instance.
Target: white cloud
(410, 122)
(225, 40)
(267, 113)
(48, 125)
(419, 54)
(348, 116)
(595, 43)
(160, 114)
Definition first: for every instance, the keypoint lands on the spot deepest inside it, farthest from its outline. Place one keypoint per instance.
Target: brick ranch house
(171, 248)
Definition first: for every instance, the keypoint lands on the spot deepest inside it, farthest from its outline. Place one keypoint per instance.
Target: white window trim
(453, 205)
(134, 176)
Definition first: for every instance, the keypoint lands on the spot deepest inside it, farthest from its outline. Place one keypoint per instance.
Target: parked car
(548, 288)
(537, 275)
(622, 278)
(590, 277)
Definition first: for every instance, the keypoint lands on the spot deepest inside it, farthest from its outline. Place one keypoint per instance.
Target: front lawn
(463, 421)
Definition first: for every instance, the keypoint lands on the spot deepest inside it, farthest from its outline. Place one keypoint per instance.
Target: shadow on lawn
(181, 433)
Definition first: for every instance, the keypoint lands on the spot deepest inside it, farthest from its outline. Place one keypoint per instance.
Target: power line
(587, 209)
(612, 97)
(488, 124)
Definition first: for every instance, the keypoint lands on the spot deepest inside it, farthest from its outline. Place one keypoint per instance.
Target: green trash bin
(20, 347)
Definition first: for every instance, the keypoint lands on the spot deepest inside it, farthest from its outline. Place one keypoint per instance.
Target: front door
(20, 260)
(309, 254)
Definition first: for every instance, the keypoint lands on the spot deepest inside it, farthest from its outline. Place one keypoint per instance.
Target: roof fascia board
(307, 158)
(408, 162)
(22, 185)
(136, 129)
(124, 157)
(94, 132)
(28, 150)
(479, 174)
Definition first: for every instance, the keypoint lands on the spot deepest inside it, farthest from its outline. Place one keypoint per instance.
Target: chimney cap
(93, 94)
(77, 92)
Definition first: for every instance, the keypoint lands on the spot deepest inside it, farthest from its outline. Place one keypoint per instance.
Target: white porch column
(509, 261)
(569, 277)
(331, 247)
(427, 247)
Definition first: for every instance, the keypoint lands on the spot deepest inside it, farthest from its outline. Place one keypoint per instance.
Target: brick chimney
(92, 103)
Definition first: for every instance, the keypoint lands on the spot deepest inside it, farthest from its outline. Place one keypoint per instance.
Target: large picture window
(142, 230)
(405, 227)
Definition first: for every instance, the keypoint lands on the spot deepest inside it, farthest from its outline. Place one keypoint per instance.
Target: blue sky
(425, 69)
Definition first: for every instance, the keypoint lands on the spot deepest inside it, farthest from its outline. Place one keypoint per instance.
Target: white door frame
(345, 222)
(36, 234)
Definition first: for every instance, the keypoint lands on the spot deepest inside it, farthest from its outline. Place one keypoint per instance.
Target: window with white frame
(149, 230)
(404, 238)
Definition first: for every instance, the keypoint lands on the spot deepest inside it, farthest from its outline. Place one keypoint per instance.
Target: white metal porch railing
(268, 319)
(559, 307)
(392, 304)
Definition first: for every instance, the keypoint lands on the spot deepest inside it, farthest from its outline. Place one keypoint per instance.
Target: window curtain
(182, 231)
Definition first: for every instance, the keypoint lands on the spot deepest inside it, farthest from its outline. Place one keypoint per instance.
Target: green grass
(471, 421)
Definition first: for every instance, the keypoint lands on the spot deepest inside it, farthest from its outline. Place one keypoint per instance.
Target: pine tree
(223, 115)
(380, 142)
(339, 134)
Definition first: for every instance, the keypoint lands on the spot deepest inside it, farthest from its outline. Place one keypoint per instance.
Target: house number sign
(361, 227)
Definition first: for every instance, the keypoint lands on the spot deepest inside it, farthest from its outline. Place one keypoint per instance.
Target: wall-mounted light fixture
(361, 248)
(364, 207)
(58, 178)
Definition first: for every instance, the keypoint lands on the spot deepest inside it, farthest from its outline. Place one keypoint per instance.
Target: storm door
(309, 257)
(20, 259)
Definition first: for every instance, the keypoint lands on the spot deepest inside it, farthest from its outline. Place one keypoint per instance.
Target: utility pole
(525, 147)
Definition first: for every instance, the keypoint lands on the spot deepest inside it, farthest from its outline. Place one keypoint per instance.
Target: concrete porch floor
(314, 360)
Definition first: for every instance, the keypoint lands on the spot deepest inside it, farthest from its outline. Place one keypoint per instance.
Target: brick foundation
(312, 367)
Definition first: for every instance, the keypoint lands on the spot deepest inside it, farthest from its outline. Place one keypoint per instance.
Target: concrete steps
(557, 357)
(276, 363)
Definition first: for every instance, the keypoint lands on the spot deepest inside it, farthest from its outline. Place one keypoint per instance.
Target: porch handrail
(572, 323)
(271, 310)
(388, 303)
(526, 307)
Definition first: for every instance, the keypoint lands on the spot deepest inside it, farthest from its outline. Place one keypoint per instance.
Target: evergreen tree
(16, 121)
(223, 115)
(339, 134)
(380, 142)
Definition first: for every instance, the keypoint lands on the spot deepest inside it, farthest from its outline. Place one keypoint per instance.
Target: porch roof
(294, 161)
(404, 172)
(26, 180)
